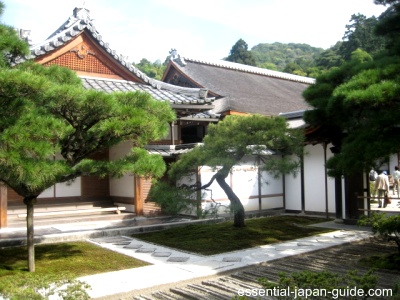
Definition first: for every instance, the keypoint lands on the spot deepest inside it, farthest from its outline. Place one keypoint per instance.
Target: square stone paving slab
(146, 250)
(111, 240)
(133, 246)
(305, 244)
(162, 254)
(178, 259)
(122, 243)
(232, 259)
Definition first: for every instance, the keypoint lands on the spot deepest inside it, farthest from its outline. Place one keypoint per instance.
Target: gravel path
(338, 259)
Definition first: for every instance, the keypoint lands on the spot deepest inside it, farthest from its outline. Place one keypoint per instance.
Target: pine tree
(240, 54)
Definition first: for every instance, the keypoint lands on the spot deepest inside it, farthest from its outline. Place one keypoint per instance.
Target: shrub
(386, 226)
(172, 200)
(40, 287)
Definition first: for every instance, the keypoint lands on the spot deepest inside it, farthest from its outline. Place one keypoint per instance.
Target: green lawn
(76, 258)
(57, 263)
(83, 258)
(208, 239)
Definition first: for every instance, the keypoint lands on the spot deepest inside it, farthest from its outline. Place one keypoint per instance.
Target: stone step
(65, 219)
(21, 209)
(101, 210)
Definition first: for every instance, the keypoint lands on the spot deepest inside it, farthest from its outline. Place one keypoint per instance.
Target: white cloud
(206, 29)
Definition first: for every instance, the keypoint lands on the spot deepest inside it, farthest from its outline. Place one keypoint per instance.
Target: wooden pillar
(172, 126)
(326, 182)
(198, 192)
(259, 174)
(3, 205)
(303, 186)
(138, 196)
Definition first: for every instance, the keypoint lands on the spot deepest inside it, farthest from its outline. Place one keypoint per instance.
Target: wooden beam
(138, 196)
(3, 205)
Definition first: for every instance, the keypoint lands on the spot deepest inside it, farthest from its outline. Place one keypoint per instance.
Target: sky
(204, 29)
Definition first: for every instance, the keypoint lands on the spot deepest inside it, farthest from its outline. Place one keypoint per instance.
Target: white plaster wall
(69, 189)
(214, 191)
(293, 191)
(244, 183)
(124, 186)
(314, 180)
(64, 189)
(331, 186)
(48, 193)
(272, 202)
(270, 185)
(393, 161)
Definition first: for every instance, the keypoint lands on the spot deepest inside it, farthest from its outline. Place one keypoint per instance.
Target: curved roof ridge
(160, 85)
(254, 70)
(177, 88)
(77, 23)
(79, 14)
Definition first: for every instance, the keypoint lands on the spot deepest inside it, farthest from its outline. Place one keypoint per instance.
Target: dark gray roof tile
(114, 85)
(246, 89)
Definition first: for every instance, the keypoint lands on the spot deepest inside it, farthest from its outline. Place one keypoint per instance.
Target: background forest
(294, 58)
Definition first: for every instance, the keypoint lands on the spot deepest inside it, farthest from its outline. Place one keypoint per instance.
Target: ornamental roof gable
(78, 45)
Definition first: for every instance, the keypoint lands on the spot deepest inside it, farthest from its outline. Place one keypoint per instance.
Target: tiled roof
(242, 68)
(295, 119)
(75, 25)
(80, 21)
(242, 88)
(170, 150)
(293, 114)
(174, 96)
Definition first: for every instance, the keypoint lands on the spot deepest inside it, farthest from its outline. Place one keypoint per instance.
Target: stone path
(172, 266)
(337, 259)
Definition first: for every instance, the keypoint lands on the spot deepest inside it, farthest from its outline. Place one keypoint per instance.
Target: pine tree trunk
(30, 202)
(237, 206)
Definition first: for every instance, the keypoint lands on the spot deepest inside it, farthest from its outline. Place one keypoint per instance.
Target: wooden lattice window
(89, 63)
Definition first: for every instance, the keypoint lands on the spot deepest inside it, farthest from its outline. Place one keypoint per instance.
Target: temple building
(201, 92)
(77, 45)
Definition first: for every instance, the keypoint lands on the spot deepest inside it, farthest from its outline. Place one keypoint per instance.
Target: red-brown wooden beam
(3, 205)
(138, 200)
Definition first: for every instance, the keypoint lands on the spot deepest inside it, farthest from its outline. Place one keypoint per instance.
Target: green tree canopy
(330, 58)
(240, 54)
(360, 34)
(389, 24)
(153, 70)
(11, 45)
(292, 58)
(229, 141)
(56, 115)
(47, 112)
(357, 107)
